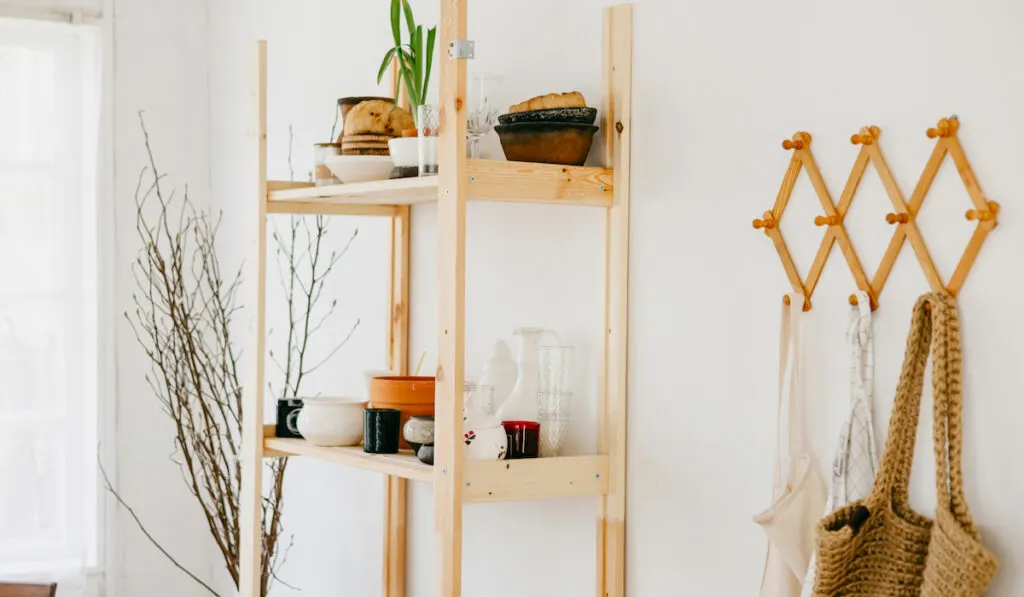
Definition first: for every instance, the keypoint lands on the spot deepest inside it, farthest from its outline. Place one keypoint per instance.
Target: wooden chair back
(25, 590)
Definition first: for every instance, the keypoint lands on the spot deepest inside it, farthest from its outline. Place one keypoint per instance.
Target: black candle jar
(381, 430)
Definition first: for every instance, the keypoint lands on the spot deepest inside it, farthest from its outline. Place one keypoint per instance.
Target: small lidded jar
(322, 151)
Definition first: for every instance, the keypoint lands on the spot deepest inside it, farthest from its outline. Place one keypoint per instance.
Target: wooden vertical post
(451, 257)
(618, 57)
(396, 488)
(251, 515)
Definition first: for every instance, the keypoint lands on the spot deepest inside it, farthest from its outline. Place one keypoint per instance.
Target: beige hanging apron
(855, 459)
(797, 501)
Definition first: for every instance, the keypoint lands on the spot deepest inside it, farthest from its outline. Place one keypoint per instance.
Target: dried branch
(142, 527)
(183, 311)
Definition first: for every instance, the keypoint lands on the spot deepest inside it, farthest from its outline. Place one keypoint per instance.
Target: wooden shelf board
(403, 464)
(535, 478)
(488, 180)
(490, 481)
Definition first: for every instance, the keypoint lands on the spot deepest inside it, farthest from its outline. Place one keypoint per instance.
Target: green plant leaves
(410, 22)
(431, 38)
(384, 64)
(396, 29)
(414, 60)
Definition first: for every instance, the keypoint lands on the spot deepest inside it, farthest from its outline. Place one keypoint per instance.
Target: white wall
(156, 63)
(716, 88)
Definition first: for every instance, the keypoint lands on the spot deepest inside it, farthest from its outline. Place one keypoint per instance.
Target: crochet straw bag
(879, 547)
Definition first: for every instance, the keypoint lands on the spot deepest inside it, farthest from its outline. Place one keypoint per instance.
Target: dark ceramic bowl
(576, 115)
(547, 142)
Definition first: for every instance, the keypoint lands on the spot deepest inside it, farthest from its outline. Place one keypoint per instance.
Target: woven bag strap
(935, 323)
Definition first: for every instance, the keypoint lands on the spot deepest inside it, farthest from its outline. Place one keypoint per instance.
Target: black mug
(287, 417)
(381, 430)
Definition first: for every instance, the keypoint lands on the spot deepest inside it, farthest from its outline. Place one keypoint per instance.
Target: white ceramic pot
(332, 421)
(484, 437)
(405, 151)
(359, 168)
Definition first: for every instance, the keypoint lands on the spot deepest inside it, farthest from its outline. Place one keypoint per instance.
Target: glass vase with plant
(414, 57)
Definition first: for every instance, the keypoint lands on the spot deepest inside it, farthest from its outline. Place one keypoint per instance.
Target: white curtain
(48, 309)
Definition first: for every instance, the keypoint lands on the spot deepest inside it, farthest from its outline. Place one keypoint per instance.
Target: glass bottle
(522, 403)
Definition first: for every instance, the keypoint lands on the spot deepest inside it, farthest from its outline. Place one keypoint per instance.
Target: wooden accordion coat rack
(985, 212)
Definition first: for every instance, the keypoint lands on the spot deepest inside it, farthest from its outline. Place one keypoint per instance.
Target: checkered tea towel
(855, 461)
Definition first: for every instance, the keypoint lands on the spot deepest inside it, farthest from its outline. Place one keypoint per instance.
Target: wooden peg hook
(854, 301)
(897, 218)
(766, 221)
(800, 140)
(826, 220)
(786, 301)
(984, 216)
(946, 127)
(867, 136)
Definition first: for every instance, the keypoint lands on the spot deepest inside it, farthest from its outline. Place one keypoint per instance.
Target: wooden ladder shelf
(456, 481)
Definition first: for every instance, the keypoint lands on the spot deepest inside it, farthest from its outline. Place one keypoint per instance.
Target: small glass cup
(555, 369)
(483, 112)
(322, 151)
(478, 398)
(427, 121)
(523, 439)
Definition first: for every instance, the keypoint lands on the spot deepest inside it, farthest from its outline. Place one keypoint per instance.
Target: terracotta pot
(414, 396)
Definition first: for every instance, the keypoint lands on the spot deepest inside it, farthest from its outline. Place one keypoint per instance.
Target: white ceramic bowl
(332, 421)
(359, 168)
(405, 151)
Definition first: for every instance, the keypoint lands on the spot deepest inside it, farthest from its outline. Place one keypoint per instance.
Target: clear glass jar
(478, 398)
(427, 123)
(322, 151)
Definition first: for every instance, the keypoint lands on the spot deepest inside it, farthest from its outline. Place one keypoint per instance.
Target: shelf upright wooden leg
(451, 257)
(396, 488)
(251, 503)
(611, 540)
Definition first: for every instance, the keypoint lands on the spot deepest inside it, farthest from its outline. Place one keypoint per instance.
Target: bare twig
(142, 527)
(183, 311)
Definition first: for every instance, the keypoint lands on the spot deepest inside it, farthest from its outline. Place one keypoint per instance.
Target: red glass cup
(523, 439)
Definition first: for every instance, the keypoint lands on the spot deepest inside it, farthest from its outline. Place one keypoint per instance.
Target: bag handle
(934, 324)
